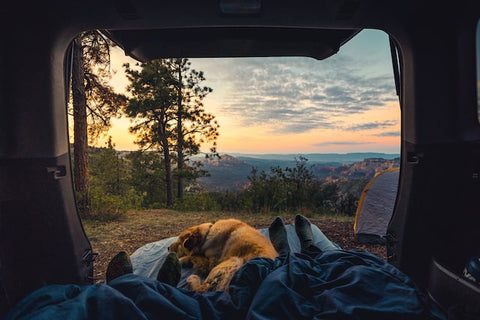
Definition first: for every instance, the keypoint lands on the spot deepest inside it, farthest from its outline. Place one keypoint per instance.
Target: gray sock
(278, 236)
(170, 271)
(304, 231)
(118, 266)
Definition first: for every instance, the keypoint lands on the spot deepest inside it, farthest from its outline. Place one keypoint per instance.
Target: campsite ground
(140, 227)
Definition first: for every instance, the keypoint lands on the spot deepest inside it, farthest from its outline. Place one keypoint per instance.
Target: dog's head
(190, 240)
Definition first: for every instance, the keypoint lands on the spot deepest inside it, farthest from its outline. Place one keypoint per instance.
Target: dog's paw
(193, 282)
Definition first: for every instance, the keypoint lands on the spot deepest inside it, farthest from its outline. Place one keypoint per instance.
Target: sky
(346, 103)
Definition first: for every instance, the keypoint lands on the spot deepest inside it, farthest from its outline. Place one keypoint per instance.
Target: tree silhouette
(194, 125)
(169, 116)
(94, 103)
(152, 109)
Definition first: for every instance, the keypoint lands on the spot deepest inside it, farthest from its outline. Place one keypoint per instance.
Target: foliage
(169, 116)
(103, 102)
(147, 175)
(105, 207)
(111, 191)
(294, 189)
(236, 201)
(151, 106)
(137, 181)
(281, 188)
(202, 201)
(348, 204)
(93, 103)
(353, 186)
(194, 125)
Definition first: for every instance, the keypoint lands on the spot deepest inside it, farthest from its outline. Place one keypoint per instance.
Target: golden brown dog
(218, 250)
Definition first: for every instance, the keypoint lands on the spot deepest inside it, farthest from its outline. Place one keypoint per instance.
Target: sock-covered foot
(170, 271)
(278, 236)
(118, 266)
(304, 231)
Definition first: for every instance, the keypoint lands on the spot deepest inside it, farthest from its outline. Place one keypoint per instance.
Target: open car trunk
(434, 227)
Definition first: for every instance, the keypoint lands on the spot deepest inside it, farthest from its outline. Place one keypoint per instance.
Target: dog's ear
(192, 240)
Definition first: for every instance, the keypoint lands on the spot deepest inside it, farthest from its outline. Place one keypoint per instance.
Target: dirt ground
(141, 227)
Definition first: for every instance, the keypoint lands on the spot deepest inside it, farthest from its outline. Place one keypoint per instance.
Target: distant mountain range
(340, 158)
(230, 172)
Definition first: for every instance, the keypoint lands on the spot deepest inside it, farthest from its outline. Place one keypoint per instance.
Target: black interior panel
(434, 229)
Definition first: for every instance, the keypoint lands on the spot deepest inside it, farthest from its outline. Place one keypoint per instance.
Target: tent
(375, 207)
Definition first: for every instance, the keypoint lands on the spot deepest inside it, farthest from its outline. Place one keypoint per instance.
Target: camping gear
(335, 284)
(375, 207)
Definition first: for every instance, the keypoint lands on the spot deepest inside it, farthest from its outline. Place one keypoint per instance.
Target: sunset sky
(346, 103)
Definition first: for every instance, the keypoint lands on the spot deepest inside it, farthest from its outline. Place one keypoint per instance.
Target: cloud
(299, 94)
(389, 134)
(372, 125)
(280, 89)
(337, 143)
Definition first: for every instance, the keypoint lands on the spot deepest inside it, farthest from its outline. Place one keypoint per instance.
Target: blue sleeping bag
(335, 284)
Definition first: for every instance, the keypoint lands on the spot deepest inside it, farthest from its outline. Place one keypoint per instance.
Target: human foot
(118, 266)
(304, 231)
(170, 271)
(278, 236)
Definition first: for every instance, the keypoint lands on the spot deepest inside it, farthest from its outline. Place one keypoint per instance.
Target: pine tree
(94, 103)
(194, 125)
(169, 116)
(80, 138)
(152, 108)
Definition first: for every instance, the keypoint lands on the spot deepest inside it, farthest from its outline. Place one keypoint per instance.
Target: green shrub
(197, 202)
(232, 201)
(107, 207)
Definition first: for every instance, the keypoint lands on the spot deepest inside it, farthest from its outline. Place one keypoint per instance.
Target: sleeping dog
(216, 251)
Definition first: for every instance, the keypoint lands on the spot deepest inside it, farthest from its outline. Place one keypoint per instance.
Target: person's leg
(118, 266)
(170, 271)
(305, 235)
(278, 236)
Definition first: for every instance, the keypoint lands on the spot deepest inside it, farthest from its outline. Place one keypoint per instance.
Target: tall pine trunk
(168, 174)
(180, 155)
(80, 138)
(166, 158)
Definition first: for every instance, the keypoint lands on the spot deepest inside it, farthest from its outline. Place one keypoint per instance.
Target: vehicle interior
(434, 227)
